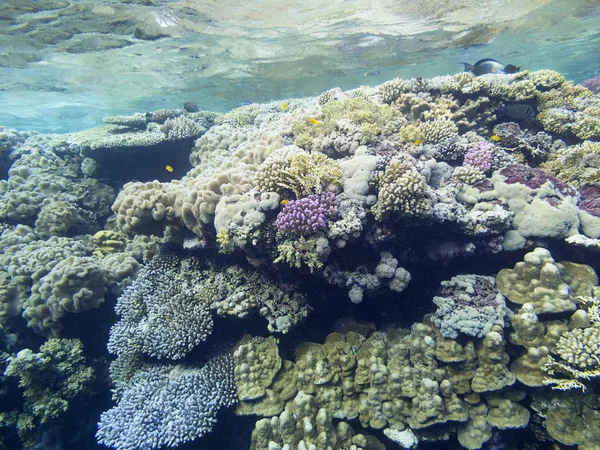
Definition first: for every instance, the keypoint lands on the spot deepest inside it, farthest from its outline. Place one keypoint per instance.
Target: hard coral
(308, 214)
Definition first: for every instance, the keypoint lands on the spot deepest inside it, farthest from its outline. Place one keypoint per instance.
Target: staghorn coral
(237, 292)
(577, 165)
(311, 252)
(468, 174)
(437, 130)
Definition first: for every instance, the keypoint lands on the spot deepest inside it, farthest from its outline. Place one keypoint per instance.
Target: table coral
(181, 401)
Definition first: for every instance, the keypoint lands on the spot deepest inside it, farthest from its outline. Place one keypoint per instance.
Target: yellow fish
(284, 106)
(283, 202)
(496, 138)
(313, 121)
(418, 141)
(168, 168)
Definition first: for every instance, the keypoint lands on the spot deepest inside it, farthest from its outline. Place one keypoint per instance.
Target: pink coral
(480, 156)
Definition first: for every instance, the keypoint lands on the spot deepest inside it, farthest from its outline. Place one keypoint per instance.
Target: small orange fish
(496, 138)
(313, 121)
(168, 168)
(418, 141)
(285, 106)
(283, 202)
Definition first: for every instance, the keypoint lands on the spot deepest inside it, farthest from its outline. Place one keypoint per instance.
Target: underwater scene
(274, 225)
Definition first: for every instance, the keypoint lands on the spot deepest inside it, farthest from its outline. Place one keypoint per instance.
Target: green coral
(308, 426)
(577, 164)
(310, 252)
(108, 242)
(372, 119)
(437, 130)
(51, 380)
(551, 287)
(578, 350)
(75, 284)
(546, 79)
(393, 380)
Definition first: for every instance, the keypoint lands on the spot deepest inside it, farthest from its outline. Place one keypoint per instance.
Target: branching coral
(579, 352)
(300, 172)
(401, 188)
(51, 380)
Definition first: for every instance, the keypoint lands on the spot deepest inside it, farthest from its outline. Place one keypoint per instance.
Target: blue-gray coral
(469, 304)
(163, 313)
(168, 405)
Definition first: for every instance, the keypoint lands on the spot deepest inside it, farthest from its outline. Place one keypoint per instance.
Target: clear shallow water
(65, 65)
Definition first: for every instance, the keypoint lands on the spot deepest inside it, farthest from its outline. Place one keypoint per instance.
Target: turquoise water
(64, 65)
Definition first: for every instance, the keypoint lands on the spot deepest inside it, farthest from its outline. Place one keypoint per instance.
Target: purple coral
(590, 200)
(307, 214)
(593, 84)
(480, 156)
(533, 178)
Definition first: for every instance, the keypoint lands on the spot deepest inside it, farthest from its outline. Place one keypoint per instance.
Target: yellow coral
(401, 188)
(301, 172)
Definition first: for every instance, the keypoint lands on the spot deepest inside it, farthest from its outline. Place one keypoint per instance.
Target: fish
(283, 202)
(285, 106)
(372, 73)
(168, 168)
(313, 121)
(190, 107)
(496, 138)
(511, 68)
(243, 103)
(418, 141)
(518, 111)
(488, 65)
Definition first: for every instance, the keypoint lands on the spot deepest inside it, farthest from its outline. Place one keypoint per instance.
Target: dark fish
(518, 111)
(190, 107)
(372, 73)
(487, 65)
(511, 68)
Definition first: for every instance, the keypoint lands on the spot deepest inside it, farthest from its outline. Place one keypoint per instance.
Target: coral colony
(353, 198)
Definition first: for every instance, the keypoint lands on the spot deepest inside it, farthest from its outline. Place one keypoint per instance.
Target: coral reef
(468, 304)
(350, 203)
(51, 380)
(181, 401)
